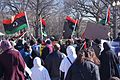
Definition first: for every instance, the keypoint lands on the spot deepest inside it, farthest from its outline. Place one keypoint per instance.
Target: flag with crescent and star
(16, 23)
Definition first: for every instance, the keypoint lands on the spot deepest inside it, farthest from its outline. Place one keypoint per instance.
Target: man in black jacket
(52, 62)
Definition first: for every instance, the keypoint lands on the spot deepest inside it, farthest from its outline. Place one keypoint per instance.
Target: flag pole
(27, 20)
(82, 45)
(41, 27)
(21, 36)
(74, 28)
(27, 23)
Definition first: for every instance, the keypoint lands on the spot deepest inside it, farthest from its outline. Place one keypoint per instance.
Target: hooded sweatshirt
(65, 64)
(5, 45)
(12, 62)
(38, 71)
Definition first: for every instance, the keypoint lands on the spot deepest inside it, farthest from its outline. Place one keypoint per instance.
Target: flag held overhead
(16, 23)
(70, 26)
(43, 22)
(108, 15)
(43, 25)
(71, 20)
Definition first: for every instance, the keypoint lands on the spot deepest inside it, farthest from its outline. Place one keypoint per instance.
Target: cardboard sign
(94, 31)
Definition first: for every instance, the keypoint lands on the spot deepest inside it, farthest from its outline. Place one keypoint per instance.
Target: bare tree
(87, 8)
(34, 9)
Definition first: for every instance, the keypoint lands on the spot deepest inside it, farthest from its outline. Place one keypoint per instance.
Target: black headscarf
(109, 63)
(106, 46)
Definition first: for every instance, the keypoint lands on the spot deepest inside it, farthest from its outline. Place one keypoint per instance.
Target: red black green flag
(69, 26)
(18, 22)
(108, 15)
(43, 27)
(71, 22)
(43, 22)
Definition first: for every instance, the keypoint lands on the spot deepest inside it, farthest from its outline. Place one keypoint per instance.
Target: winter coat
(12, 62)
(86, 70)
(65, 64)
(109, 63)
(27, 58)
(13, 65)
(39, 72)
(52, 63)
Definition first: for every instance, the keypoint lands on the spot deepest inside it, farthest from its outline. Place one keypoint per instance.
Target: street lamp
(115, 4)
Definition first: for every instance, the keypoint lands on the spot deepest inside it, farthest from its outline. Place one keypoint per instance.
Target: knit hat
(5, 45)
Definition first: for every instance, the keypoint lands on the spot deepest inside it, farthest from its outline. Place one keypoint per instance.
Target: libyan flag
(107, 18)
(70, 26)
(16, 23)
(71, 22)
(43, 22)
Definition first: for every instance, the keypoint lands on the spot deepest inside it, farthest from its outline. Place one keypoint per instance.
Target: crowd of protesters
(53, 59)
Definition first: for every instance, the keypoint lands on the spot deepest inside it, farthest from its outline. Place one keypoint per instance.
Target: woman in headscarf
(67, 61)
(39, 72)
(109, 63)
(12, 62)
